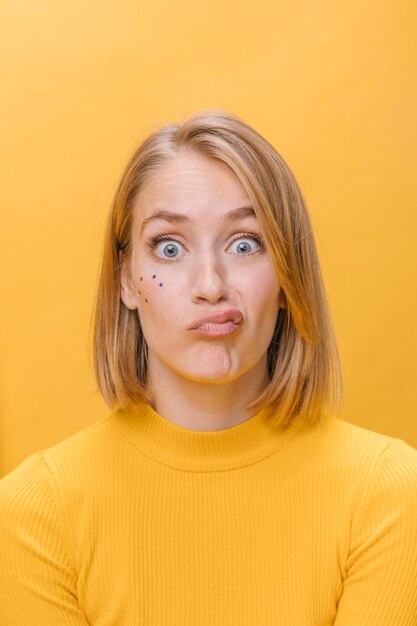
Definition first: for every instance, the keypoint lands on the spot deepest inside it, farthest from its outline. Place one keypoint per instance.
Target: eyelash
(151, 242)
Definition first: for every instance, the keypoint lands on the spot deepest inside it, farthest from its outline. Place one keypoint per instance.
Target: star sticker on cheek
(160, 284)
(153, 275)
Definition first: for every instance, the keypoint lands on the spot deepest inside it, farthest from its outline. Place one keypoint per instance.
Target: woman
(220, 490)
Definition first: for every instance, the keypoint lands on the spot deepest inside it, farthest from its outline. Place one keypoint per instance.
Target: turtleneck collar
(202, 451)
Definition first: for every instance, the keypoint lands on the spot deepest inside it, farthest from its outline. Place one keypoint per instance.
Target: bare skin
(204, 265)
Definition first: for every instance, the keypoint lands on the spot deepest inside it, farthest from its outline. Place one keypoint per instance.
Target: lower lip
(212, 329)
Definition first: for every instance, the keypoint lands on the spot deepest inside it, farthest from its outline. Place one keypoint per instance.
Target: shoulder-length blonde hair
(303, 360)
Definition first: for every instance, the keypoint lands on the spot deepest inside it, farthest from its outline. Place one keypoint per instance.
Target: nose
(209, 280)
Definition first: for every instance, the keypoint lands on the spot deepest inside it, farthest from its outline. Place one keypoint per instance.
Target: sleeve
(37, 578)
(380, 587)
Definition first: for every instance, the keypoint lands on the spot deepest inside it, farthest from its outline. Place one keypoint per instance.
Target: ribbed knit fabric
(136, 521)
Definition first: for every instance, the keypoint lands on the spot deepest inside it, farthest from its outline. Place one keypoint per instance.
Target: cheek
(151, 287)
(262, 290)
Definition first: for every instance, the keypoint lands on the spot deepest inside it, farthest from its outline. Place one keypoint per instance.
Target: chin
(202, 368)
(209, 377)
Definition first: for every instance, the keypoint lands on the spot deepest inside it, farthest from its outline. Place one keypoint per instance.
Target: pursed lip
(219, 317)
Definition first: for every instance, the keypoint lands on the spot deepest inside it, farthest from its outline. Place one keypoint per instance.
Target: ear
(282, 300)
(128, 293)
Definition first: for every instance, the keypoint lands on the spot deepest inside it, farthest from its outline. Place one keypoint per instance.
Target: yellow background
(331, 84)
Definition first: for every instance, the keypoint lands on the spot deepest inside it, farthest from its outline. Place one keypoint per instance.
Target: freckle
(145, 300)
(160, 284)
(154, 276)
(141, 277)
(140, 293)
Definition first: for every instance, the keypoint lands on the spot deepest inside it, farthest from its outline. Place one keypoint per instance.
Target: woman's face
(196, 250)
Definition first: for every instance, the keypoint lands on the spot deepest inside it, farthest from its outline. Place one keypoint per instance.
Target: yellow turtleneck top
(137, 521)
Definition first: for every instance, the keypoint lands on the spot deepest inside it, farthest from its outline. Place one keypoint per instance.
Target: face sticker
(141, 278)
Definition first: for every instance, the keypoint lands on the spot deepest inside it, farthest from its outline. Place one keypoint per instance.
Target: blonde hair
(303, 360)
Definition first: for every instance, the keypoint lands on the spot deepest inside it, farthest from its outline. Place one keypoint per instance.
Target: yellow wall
(331, 84)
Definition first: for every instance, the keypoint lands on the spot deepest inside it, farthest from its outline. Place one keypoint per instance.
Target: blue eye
(168, 249)
(245, 244)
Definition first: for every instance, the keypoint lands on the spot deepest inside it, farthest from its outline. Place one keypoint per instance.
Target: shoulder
(382, 470)
(379, 488)
(86, 441)
(388, 450)
(39, 497)
(72, 457)
(359, 459)
(345, 440)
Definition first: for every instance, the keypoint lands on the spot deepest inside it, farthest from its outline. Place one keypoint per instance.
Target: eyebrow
(180, 218)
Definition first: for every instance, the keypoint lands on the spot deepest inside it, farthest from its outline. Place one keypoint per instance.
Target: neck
(204, 406)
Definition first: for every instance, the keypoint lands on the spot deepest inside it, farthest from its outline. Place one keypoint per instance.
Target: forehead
(190, 183)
